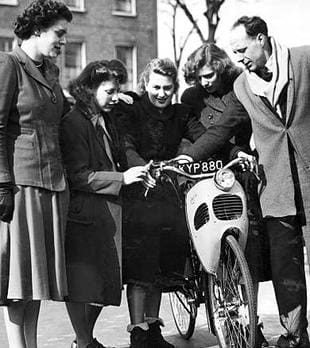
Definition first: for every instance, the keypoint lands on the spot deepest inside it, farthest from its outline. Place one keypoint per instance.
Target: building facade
(101, 29)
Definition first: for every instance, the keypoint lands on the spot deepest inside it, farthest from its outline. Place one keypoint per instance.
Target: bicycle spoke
(233, 310)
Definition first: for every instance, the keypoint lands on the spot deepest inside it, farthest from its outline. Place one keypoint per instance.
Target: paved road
(55, 330)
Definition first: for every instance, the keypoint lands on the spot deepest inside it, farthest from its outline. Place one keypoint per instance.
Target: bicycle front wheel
(184, 312)
(230, 299)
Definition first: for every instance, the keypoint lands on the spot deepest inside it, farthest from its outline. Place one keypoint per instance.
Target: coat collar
(89, 110)
(154, 112)
(215, 102)
(30, 67)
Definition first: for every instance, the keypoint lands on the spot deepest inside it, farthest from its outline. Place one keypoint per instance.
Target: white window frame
(83, 57)
(134, 61)
(9, 2)
(81, 8)
(4, 37)
(133, 12)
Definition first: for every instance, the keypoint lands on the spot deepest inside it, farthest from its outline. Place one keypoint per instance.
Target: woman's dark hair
(162, 66)
(216, 58)
(83, 88)
(40, 14)
(253, 25)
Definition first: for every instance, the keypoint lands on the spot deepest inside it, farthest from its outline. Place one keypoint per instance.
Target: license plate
(202, 167)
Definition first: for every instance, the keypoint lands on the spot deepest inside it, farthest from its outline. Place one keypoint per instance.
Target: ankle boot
(139, 336)
(289, 340)
(156, 339)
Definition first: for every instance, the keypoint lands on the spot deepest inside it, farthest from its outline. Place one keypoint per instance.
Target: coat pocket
(80, 209)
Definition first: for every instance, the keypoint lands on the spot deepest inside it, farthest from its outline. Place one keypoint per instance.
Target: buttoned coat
(209, 108)
(93, 235)
(31, 107)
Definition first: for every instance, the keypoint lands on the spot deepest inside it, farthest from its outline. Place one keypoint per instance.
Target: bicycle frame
(216, 213)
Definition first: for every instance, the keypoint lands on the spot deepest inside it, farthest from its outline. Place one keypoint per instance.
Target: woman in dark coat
(155, 235)
(212, 74)
(95, 165)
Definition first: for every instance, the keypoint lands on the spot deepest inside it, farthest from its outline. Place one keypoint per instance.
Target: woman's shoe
(156, 339)
(291, 341)
(93, 344)
(261, 340)
(139, 338)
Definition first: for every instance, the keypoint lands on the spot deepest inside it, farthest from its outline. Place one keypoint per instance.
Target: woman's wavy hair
(40, 14)
(213, 56)
(162, 66)
(84, 87)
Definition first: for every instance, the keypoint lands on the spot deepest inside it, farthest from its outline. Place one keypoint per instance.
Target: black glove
(6, 202)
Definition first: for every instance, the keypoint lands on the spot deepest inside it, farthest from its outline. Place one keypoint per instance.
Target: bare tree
(202, 23)
(211, 13)
(183, 8)
(209, 8)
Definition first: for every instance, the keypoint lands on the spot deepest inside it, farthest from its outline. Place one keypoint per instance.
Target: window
(74, 61)
(9, 2)
(124, 7)
(6, 44)
(75, 5)
(128, 55)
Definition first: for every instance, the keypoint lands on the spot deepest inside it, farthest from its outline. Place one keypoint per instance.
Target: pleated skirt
(32, 253)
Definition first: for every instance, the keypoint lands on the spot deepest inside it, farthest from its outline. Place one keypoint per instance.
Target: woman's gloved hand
(6, 202)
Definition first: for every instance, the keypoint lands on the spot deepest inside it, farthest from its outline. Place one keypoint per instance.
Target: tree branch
(212, 15)
(182, 47)
(191, 19)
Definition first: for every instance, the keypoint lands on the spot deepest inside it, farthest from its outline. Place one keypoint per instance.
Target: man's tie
(265, 74)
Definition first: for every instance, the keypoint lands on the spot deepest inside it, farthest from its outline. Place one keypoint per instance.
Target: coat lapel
(215, 103)
(30, 67)
(265, 105)
(290, 94)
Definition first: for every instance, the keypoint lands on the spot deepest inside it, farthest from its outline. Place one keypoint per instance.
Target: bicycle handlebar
(173, 166)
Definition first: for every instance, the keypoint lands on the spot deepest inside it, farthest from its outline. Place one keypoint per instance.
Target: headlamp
(224, 179)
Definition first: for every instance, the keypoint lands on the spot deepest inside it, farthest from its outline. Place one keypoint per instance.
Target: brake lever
(252, 166)
(147, 167)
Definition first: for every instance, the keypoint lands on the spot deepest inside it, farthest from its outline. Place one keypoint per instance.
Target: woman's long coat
(93, 240)
(155, 238)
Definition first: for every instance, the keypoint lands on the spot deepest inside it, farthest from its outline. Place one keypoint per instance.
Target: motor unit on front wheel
(212, 212)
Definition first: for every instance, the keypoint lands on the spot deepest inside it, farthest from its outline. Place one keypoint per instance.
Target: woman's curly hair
(84, 87)
(213, 56)
(40, 14)
(162, 66)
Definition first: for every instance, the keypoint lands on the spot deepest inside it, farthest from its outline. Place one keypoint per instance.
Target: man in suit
(274, 90)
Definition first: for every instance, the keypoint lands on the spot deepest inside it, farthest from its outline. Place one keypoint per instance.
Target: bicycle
(216, 214)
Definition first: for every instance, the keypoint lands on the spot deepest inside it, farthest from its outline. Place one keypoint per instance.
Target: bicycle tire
(184, 312)
(230, 299)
